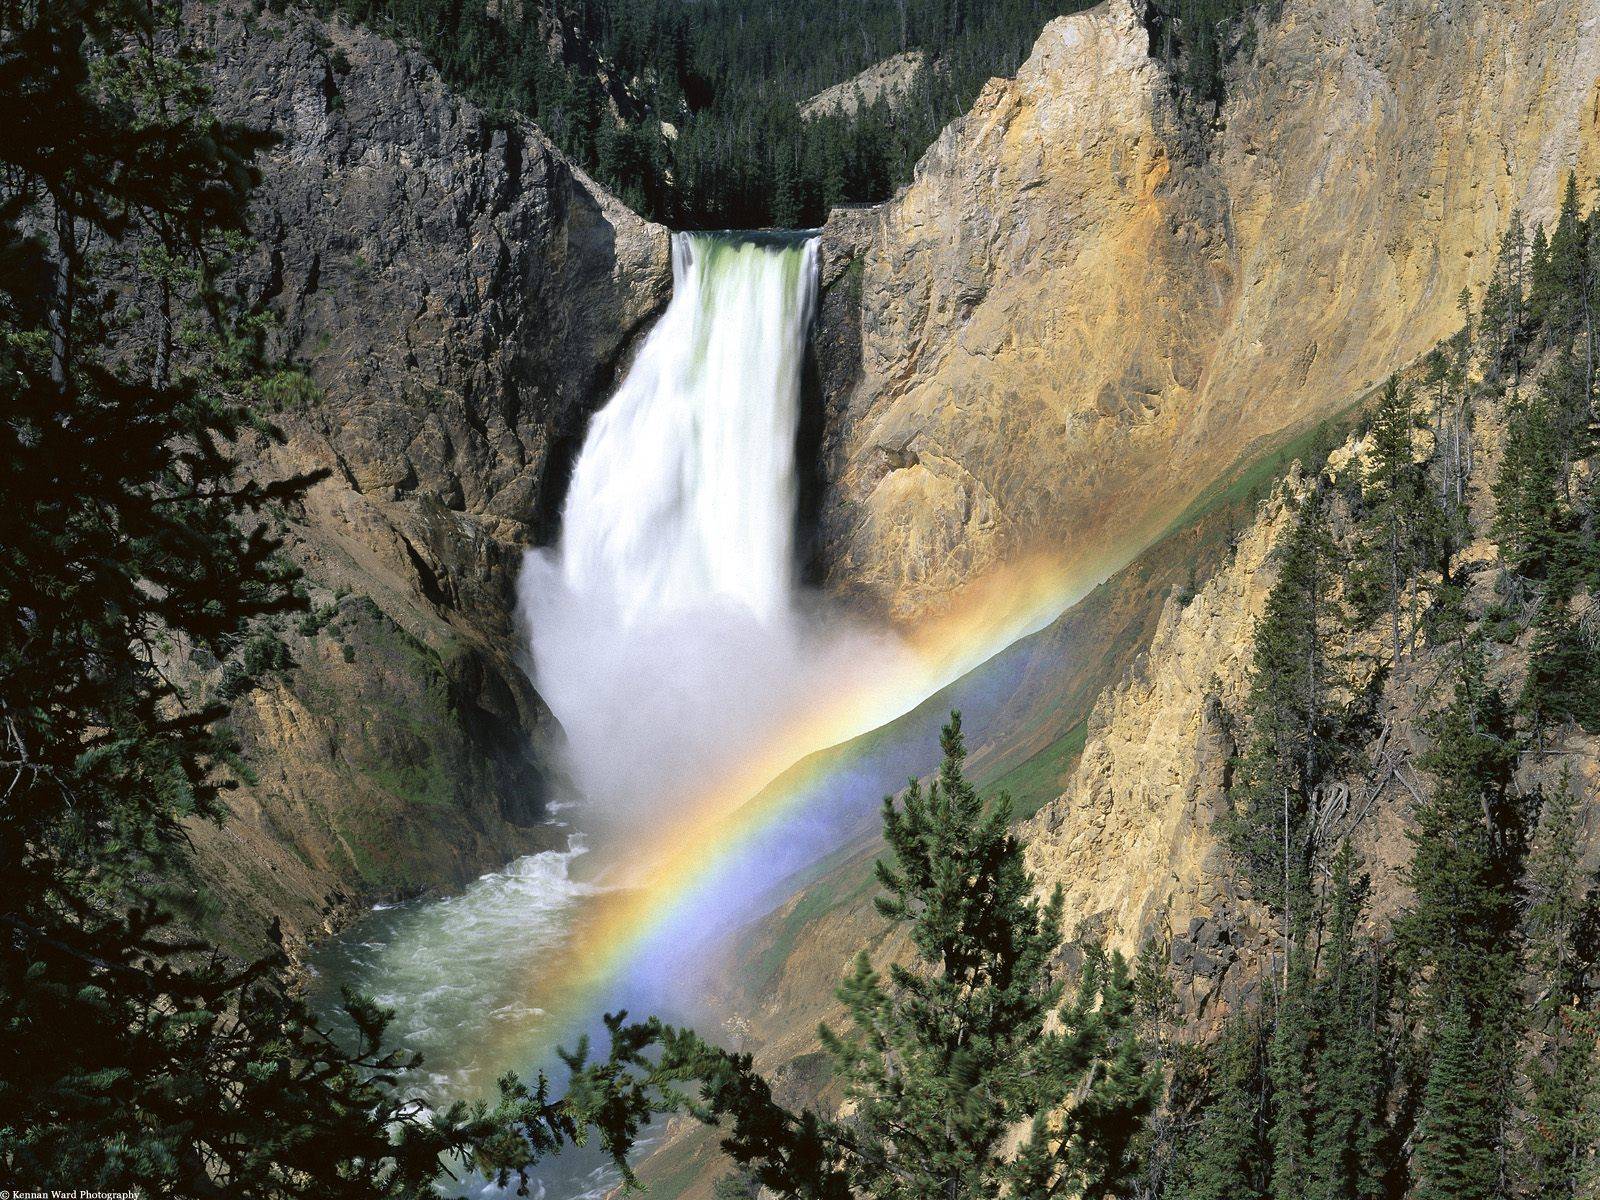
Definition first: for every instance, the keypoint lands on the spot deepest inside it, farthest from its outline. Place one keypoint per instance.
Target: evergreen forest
(690, 110)
(1434, 588)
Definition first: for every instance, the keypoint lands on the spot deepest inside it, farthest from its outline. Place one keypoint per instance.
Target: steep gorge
(1078, 316)
(1392, 649)
(1081, 313)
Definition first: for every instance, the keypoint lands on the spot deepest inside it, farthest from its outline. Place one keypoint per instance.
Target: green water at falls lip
(684, 491)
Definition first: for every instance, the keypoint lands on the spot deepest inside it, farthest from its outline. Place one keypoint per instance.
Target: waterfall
(666, 630)
(684, 492)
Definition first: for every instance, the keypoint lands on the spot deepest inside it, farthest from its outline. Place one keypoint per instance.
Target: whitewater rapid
(443, 965)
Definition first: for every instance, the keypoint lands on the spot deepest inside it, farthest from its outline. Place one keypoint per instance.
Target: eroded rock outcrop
(460, 291)
(1138, 841)
(462, 298)
(1133, 841)
(887, 81)
(1083, 309)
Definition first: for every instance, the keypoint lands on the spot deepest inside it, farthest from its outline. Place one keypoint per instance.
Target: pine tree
(1461, 932)
(957, 871)
(1563, 677)
(947, 1054)
(1289, 1069)
(1095, 1148)
(1452, 457)
(1565, 275)
(1347, 1155)
(1458, 1138)
(1586, 1120)
(785, 199)
(1229, 1158)
(1531, 522)
(736, 1185)
(1467, 832)
(1560, 1091)
(1293, 718)
(1539, 282)
(1500, 334)
(1178, 1063)
(1400, 522)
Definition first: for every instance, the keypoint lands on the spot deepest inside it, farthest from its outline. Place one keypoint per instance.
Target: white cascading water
(666, 630)
(685, 490)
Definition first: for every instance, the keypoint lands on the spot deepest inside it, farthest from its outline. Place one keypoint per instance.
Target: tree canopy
(132, 1054)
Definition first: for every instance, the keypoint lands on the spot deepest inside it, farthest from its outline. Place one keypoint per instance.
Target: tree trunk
(64, 301)
(1394, 587)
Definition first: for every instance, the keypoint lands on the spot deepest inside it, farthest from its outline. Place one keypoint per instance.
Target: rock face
(462, 298)
(461, 292)
(1133, 842)
(1136, 842)
(888, 81)
(1082, 309)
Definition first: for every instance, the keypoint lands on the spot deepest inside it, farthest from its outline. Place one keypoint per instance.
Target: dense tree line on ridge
(601, 76)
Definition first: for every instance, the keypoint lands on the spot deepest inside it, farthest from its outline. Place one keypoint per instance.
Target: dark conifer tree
(1461, 933)
(1290, 1072)
(1178, 1063)
(1401, 523)
(729, 76)
(1563, 676)
(786, 204)
(1096, 1148)
(1459, 1140)
(1564, 282)
(1530, 518)
(947, 1054)
(1501, 337)
(134, 1058)
(1561, 1092)
(1228, 1158)
(1293, 715)
(1453, 452)
(1348, 1080)
(1539, 282)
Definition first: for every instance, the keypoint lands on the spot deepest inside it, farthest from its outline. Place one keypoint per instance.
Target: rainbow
(620, 925)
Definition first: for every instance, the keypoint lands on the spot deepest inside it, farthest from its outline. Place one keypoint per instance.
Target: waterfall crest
(666, 630)
(684, 491)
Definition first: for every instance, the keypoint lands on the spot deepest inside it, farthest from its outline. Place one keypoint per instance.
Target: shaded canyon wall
(462, 298)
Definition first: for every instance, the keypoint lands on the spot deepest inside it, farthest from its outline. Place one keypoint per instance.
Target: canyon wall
(456, 300)
(1132, 841)
(1085, 306)
(1082, 310)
